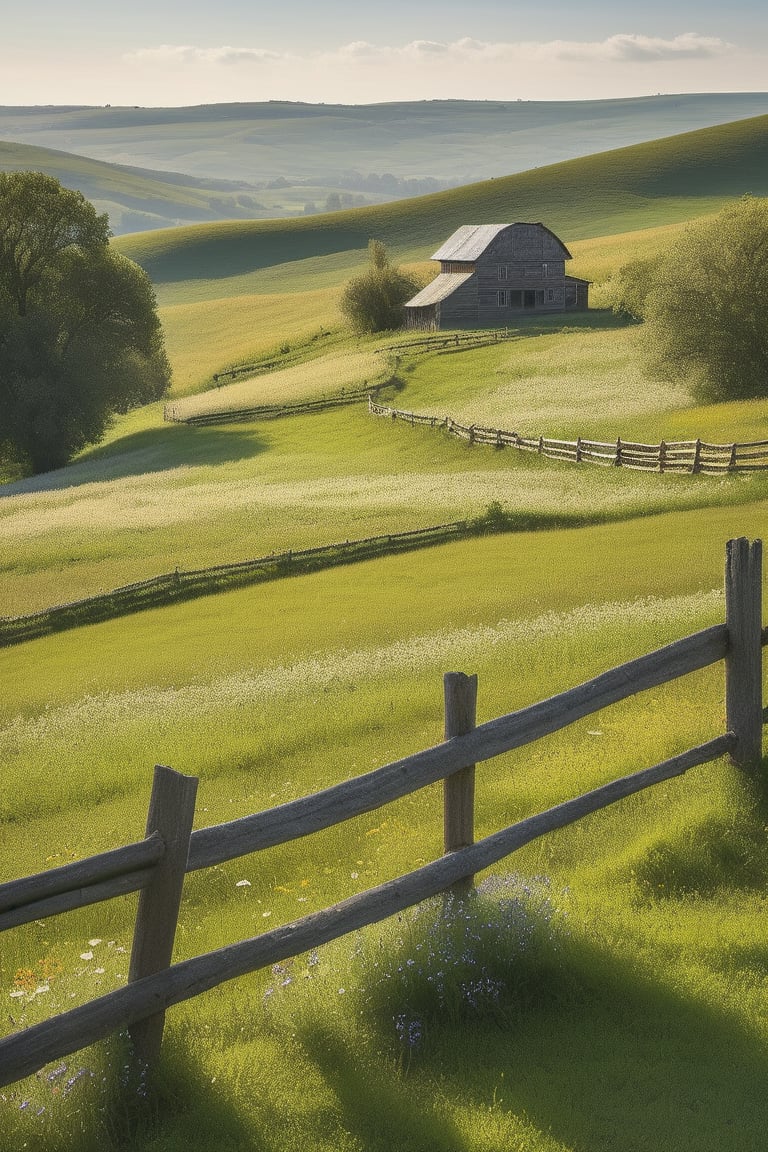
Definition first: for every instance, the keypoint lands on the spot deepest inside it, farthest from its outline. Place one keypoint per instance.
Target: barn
(492, 273)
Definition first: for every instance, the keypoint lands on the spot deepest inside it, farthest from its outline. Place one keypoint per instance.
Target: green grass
(639, 959)
(580, 375)
(636, 969)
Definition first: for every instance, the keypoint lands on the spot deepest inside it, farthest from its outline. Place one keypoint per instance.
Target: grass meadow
(584, 1000)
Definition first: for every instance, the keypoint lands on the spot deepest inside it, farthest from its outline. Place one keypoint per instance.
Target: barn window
(539, 295)
(501, 298)
(550, 295)
(502, 271)
(545, 269)
(516, 298)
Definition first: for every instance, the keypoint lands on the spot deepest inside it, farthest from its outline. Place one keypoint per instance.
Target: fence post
(460, 693)
(743, 661)
(171, 811)
(617, 461)
(696, 466)
(662, 455)
(578, 449)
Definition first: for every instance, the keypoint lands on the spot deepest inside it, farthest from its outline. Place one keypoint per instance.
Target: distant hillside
(638, 187)
(138, 199)
(454, 141)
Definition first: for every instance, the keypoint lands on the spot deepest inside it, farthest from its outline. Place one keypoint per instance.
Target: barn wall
(459, 310)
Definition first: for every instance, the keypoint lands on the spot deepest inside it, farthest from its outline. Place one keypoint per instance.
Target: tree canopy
(703, 302)
(374, 301)
(79, 334)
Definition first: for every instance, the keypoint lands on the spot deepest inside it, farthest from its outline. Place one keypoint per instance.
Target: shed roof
(438, 289)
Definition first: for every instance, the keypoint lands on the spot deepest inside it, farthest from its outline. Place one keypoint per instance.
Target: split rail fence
(171, 587)
(173, 414)
(667, 456)
(156, 866)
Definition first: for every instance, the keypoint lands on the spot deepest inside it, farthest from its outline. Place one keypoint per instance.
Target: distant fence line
(185, 585)
(668, 456)
(173, 413)
(157, 865)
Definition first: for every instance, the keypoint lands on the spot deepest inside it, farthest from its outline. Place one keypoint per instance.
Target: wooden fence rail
(157, 864)
(183, 584)
(691, 456)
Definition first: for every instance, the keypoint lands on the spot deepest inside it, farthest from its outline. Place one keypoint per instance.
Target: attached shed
(491, 272)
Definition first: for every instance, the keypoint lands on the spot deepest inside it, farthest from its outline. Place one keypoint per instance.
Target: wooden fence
(156, 865)
(174, 414)
(667, 456)
(171, 587)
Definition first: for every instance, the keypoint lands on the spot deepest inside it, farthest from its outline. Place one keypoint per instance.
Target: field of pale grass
(324, 376)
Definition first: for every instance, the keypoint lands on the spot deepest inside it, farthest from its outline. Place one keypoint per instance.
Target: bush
(374, 301)
(704, 304)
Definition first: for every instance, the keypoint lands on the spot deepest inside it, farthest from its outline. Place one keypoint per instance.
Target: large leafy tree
(704, 303)
(374, 301)
(79, 334)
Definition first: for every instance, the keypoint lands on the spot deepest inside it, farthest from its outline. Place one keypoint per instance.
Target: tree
(374, 301)
(705, 305)
(79, 334)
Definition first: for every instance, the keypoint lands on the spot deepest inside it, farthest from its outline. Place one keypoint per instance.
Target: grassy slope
(308, 681)
(642, 186)
(654, 964)
(224, 288)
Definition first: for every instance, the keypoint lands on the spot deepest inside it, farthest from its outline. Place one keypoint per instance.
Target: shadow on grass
(152, 450)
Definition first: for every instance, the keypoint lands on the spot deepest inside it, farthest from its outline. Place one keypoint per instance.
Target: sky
(178, 52)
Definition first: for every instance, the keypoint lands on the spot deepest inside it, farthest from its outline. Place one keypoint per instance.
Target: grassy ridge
(642, 186)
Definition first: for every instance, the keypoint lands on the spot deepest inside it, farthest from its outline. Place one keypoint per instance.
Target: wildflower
(243, 884)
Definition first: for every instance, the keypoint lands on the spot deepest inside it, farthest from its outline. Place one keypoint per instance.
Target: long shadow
(616, 1062)
(158, 449)
(375, 1104)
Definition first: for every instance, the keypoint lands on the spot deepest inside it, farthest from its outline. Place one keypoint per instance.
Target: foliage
(631, 286)
(704, 303)
(374, 301)
(79, 335)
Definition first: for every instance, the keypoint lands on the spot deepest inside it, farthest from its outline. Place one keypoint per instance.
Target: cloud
(189, 54)
(623, 48)
(632, 48)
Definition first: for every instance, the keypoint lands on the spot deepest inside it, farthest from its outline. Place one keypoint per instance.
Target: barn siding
(520, 271)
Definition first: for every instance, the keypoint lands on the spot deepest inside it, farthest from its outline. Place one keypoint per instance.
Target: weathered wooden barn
(491, 273)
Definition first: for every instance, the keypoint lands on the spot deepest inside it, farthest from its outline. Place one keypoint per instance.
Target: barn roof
(471, 240)
(438, 289)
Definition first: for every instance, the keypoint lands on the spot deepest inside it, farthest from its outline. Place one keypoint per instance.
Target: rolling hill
(456, 140)
(642, 186)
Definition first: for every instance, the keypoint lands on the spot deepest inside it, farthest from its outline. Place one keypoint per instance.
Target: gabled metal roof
(438, 289)
(469, 241)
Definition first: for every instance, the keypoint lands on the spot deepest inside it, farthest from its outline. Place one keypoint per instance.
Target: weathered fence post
(696, 465)
(171, 812)
(617, 461)
(578, 449)
(743, 661)
(662, 455)
(460, 693)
